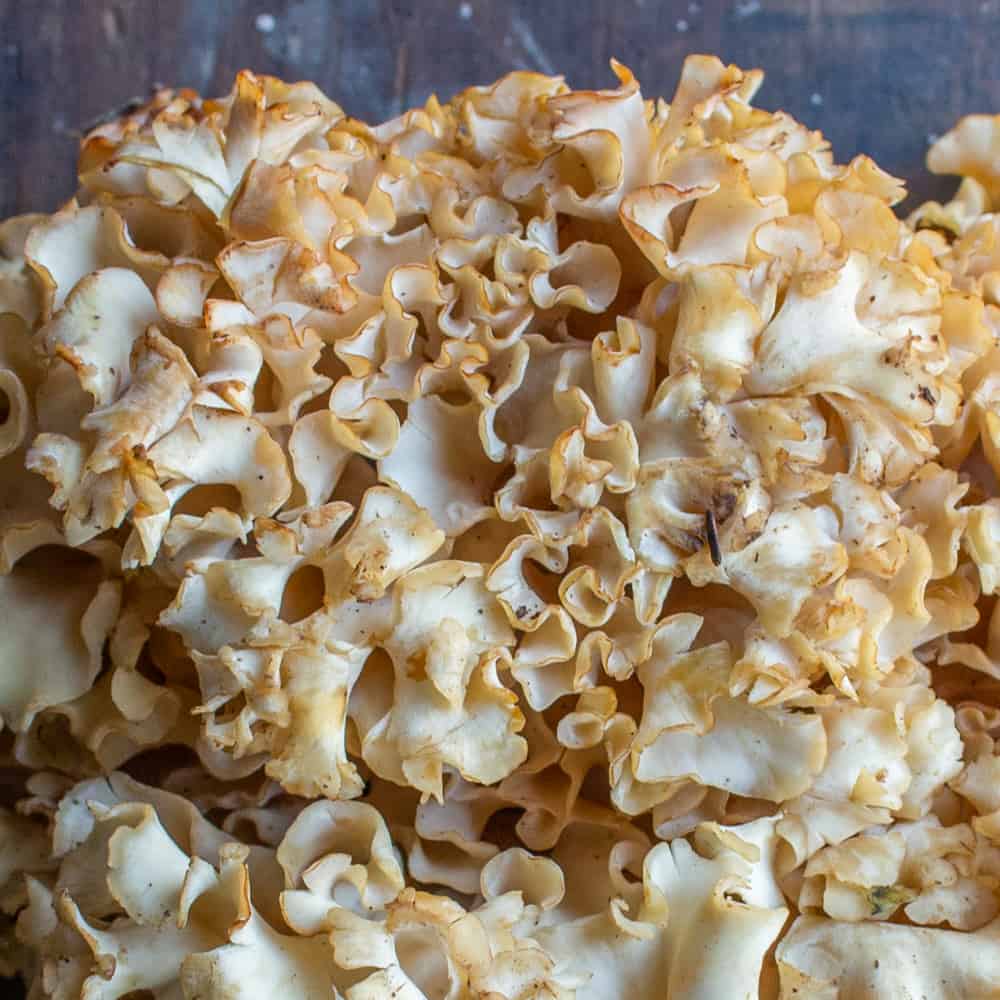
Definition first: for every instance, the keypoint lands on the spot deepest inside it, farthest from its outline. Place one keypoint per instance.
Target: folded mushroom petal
(438, 460)
(840, 959)
(62, 606)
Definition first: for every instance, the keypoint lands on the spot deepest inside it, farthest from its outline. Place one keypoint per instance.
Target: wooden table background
(878, 77)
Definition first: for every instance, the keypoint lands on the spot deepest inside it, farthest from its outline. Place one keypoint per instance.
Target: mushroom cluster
(544, 546)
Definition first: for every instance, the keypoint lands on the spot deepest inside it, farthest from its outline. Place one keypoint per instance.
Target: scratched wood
(875, 77)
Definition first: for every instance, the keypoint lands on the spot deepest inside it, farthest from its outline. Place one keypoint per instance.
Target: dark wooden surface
(875, 76)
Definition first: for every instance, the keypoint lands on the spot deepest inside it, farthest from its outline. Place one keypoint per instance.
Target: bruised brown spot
(723, 505)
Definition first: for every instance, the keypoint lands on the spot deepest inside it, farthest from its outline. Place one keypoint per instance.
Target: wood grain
(875, 77)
